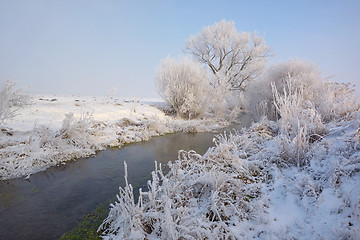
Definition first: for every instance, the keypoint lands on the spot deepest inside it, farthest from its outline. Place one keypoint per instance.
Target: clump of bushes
(295, 94)
(183, 84)
(331, 100)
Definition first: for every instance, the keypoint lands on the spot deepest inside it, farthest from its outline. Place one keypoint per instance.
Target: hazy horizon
(90, 47)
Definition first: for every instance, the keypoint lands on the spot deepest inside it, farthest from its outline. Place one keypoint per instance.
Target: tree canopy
(233, 57)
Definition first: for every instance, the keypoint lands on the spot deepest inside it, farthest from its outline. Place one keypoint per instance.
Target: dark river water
(55, 200)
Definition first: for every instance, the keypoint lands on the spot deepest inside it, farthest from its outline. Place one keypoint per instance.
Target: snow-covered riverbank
(54, 129)
(248, 187)
(295, 177)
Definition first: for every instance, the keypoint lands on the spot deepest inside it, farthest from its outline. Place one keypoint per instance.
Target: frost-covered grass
(55, 129)
(245, 188)
(295, 178)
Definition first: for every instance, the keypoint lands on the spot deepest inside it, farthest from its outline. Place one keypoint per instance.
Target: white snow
(50, 110)
(246, 188)
(296, 178)
(54, 128)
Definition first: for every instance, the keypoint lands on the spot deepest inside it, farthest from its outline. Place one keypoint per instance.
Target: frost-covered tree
(183, 83)
(10, 101)
(233, 57)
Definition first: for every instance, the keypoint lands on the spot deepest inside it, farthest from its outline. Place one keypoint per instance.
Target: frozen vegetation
(294, 177)
(211, 79)
(294, 174)
(51, 130)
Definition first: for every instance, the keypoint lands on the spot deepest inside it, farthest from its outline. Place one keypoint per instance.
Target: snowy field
(50, 110)
(52, 129)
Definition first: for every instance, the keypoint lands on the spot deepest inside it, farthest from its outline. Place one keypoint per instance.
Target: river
(52, 202)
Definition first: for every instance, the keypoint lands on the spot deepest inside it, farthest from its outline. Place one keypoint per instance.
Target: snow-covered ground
(296, 177)
(247, 187)
(50, 110)
(53, 129)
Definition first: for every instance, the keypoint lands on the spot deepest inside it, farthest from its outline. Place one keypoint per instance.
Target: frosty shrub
(336, 100)
(224, 104)
(183, 83)
(232, 56)
(299, 122)
(78, 131)
(331, 100)
(202, 197)
(10, 101)
(260, 97)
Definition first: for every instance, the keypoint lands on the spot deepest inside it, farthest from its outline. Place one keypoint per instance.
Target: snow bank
(244, 188)
(54, 129)
(296, 178)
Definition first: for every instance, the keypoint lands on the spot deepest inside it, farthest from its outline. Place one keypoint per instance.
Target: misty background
(90, 47)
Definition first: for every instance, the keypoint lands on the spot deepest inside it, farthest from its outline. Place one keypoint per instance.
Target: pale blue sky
(88, 47)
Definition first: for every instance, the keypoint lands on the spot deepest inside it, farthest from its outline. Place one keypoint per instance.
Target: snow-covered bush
(76, 130)
(183, 83)
(10, 101)
(302, 101)
(224, 104)
(331, 100)
(260, 97)
(336, 100)
(299, 122)
(202, 197)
